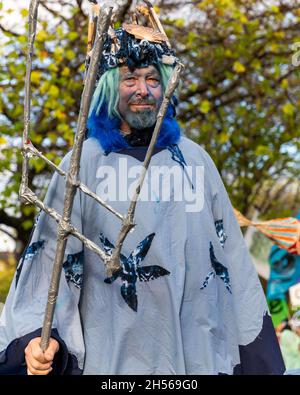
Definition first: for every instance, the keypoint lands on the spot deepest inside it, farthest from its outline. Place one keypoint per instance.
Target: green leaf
(27, 224)
(288, 109)
(239, 67)
(205, 106)
(24, 12)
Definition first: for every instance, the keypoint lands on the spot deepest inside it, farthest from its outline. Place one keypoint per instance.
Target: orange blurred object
(285, 232)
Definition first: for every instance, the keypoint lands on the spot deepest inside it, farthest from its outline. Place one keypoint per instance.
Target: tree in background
(238, 98)
(240, 95)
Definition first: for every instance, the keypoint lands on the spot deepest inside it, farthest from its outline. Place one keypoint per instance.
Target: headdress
(135, 45)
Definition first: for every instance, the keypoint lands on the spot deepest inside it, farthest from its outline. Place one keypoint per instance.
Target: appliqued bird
(131, 271)
(73, 268)
(220, 231)
(218, 270)
(32, 250)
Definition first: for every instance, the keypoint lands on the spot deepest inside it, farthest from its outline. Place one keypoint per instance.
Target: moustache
(142, 101)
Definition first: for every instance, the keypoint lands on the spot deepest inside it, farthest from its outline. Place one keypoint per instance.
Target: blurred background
(239, 99)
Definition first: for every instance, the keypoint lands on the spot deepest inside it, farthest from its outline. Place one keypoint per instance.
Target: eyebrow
(133, 74)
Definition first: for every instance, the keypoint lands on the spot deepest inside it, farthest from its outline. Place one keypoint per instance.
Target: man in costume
(187, 299)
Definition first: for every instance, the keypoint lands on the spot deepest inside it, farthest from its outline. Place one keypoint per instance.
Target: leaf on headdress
(144, 33)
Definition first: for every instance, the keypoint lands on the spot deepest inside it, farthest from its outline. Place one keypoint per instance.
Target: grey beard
(141, 119)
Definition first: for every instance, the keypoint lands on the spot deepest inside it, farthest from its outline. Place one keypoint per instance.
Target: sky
(6, 243)
(14, 20)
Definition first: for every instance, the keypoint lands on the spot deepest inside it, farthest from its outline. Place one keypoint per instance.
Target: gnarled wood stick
(32, 21)
(63, 228)
(29, 147)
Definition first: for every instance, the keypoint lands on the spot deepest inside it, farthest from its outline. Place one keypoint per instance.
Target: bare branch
(53, 12)
(9, 31)
(30, 148)
(8, 233)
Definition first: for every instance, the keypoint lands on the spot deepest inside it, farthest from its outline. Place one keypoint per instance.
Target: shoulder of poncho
(196, 155)
(91, 149)
(194, 152)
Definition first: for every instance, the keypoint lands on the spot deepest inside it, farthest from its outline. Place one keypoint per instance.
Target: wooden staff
(63, 227)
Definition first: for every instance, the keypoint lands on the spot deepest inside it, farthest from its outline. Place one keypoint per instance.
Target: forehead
(139, 71)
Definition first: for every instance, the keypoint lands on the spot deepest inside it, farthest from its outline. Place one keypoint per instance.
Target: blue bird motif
(178, 157)
(220, 231)
(28, 255)
(218, 270)
(32, 250)
(73, 268)
(209, 277)
(131, 271)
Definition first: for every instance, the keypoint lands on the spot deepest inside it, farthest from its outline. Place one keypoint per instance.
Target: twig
(32, 21)
(29, 147)
(70, 229)
(8, 233)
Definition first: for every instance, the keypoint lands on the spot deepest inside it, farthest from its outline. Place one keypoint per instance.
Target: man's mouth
(141, 106)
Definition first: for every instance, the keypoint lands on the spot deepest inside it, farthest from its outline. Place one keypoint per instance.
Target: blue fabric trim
(263, 355)
(12, 360)
(107, 130)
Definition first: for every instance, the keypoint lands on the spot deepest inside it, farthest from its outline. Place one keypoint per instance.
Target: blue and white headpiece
(135, 46)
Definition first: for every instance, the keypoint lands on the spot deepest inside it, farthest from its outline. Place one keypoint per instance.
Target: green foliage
(239, 96)
(240, 93)
(5, 281)
(7, 270)
(56, 79)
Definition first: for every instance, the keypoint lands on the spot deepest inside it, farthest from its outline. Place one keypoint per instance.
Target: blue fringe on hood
(106, 130)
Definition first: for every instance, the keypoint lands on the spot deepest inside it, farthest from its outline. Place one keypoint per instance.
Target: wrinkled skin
(140, 96)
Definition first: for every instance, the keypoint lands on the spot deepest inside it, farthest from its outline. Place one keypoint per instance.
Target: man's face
(140, 94)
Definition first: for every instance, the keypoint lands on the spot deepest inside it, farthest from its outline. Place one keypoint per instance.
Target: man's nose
(142, 88)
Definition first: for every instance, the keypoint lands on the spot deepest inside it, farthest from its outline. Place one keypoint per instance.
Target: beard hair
(141, 119)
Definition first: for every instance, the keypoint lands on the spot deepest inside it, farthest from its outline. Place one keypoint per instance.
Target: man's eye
(153, 81)
(129, 79)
